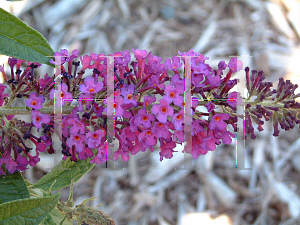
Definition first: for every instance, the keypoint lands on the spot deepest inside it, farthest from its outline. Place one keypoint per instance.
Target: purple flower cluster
(141, 119)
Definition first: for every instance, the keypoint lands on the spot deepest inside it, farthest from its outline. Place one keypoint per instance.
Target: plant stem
(5, 111)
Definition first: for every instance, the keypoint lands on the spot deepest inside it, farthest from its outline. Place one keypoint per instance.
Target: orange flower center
(62, 125)
(154, 85)
(95, 135)
(160, 124)
(146, 103)
(178, 117)
(78, 124)
(121, 85)
(38, 119)
(92, 90)
(232, 100)
(172, 95)
(34, 102)
(217, 118)
(145, 118)
(149, 132)
(115, 105)
(62, 95)
(174, 67)
(163, 109)
(129, 96)
(183, 104)
(77, 138)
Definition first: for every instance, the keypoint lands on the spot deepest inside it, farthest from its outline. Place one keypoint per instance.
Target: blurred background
(145, 190)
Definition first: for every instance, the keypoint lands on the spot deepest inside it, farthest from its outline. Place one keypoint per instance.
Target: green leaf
(55, 217)
(21, 41)
(12, 187)
(29, 211)
(49, 220)
(63, 173)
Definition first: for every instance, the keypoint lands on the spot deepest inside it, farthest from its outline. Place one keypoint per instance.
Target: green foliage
(12, 187)
(63, 173)
(29, 211)
(21, 41)
(55, 217)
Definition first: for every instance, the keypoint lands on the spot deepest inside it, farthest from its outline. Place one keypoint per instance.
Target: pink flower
(128, 95)
(78, 140)
(86, 61)
(22, 161)
(11, 165)
(179, 134)
(217, 121)
(177, 82)
(234, 99)
(148, 100)
(210, 106)
(197, 79)
(221, 66)
(226, 137)
(34, 101)
(173, 95)
(213, 81)
(153, 82)
(127, 135)
(178, 119)
(85, 99)
(75, 54)
(38, 118)
(97, 109)
(163, 110)
(66, 96)
(133, 127)
(41, 147)
(122, 58)
(235, 65)
(33, 160)
(167, 150)
(161, 130)
(149, 137)
(90, 87)
(196, 127)
(94, 138)
(143, 118)
(139, 54)
(2, 88)
(102, 154)
(77, 126)
(175, 65)
(209, 142)
(87, 152)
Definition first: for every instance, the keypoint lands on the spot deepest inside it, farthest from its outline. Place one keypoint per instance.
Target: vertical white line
(187, 111)
(110, 109)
